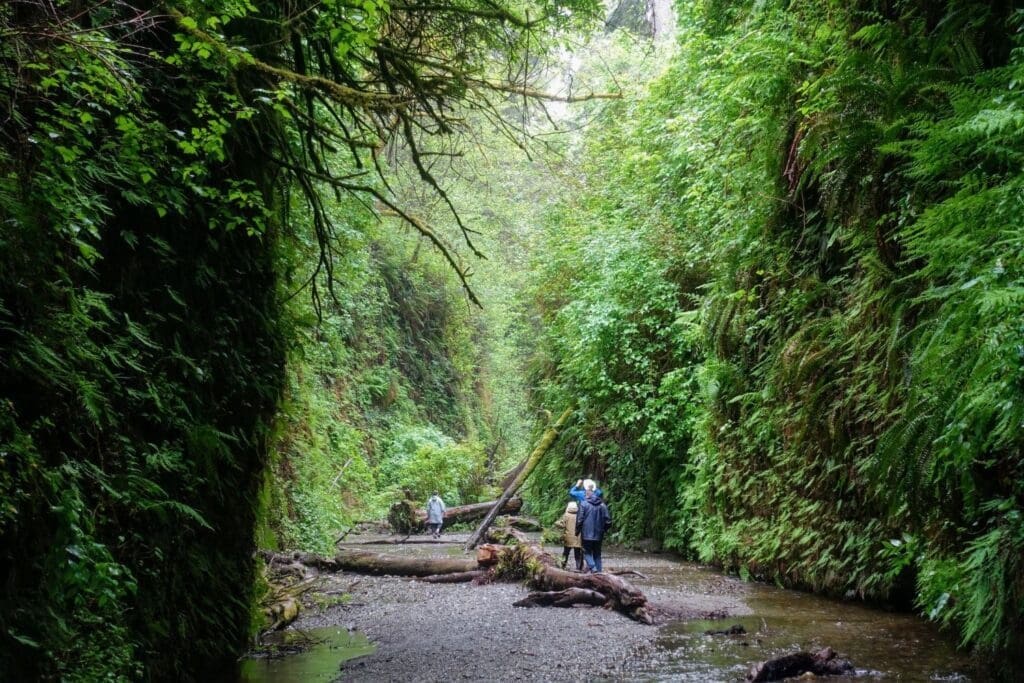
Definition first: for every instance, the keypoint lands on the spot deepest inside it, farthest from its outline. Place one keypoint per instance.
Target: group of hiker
(584, 524)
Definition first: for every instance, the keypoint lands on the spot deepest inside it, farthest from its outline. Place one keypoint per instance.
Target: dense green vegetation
(779, 279)
(790, 304)
(385, 397)
(173, 181)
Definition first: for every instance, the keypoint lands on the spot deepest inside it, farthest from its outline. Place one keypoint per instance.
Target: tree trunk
(467, 513)
(511, 475)
(457, 577)
(565, 598)
(523, 559)
(404, 518)
(548, 438)
(363, 562)
(542, 573)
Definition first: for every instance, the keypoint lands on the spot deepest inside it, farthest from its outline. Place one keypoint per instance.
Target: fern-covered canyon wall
(787, 299)
(388, 395)
(778, 275)
(213, 306)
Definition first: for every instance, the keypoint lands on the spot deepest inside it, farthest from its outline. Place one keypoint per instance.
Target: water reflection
(881, 645)
(313, 655)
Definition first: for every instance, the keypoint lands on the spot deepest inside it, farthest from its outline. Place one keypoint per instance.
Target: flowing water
(882, 645)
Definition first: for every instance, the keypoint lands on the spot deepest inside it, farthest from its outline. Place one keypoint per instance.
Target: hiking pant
(577, 554)
(592, 554)
(435, 529)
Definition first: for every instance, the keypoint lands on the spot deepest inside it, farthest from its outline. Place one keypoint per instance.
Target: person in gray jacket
(435, 515)
(592, 521)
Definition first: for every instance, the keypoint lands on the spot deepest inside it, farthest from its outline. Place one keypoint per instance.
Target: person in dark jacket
(592, 521)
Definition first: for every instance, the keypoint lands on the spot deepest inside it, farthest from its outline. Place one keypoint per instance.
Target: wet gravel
(464, 632)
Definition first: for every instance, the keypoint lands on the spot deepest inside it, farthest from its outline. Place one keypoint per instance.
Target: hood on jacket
(572, 508)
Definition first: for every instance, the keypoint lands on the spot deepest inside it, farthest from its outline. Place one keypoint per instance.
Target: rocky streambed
(450, 632)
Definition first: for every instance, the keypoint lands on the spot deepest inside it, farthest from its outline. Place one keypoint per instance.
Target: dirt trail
(434, 632)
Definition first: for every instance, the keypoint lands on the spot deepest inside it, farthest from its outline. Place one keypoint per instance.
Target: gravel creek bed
(444, 632)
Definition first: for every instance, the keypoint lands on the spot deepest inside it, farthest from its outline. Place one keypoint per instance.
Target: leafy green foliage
(382, 396)
(834, 189)
(164, 178)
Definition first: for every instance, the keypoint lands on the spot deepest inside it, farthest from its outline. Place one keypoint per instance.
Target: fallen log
(404, 540)
(541, 571)
(822, 663)
(468, 513)
(563, 598)
(374, 563)
(521, 560)
(457, 577)
(364, 562)
(539, 451)
(405, 518)
(622, 596)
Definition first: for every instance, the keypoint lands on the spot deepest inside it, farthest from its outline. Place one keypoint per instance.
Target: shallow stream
(297, 656)
(881, 645)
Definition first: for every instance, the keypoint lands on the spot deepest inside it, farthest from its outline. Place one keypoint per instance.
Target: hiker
(579, 491)
(592, 521)
(570, 539)
(435, 515)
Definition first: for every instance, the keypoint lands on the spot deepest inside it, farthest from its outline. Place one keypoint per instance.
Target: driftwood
(281, 606)
(539, 451)
(543, 574)
(822, 663)
(620, 595)
(522, 559)
(279, 614)
(564, 598)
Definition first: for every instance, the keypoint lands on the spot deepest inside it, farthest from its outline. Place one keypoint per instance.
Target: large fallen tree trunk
(570, 597)
(364, 562)
(542, 573)
(468, 513)
(522, 559)
(405, 518)
(548, 438)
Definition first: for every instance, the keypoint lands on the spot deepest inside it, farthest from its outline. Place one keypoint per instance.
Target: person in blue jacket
(592, 521)
(579, 491)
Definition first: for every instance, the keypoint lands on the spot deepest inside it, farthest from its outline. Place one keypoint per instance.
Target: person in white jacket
(435, 515)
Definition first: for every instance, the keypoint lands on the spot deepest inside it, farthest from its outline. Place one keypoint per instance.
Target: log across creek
(404, 517)
(510, 556)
